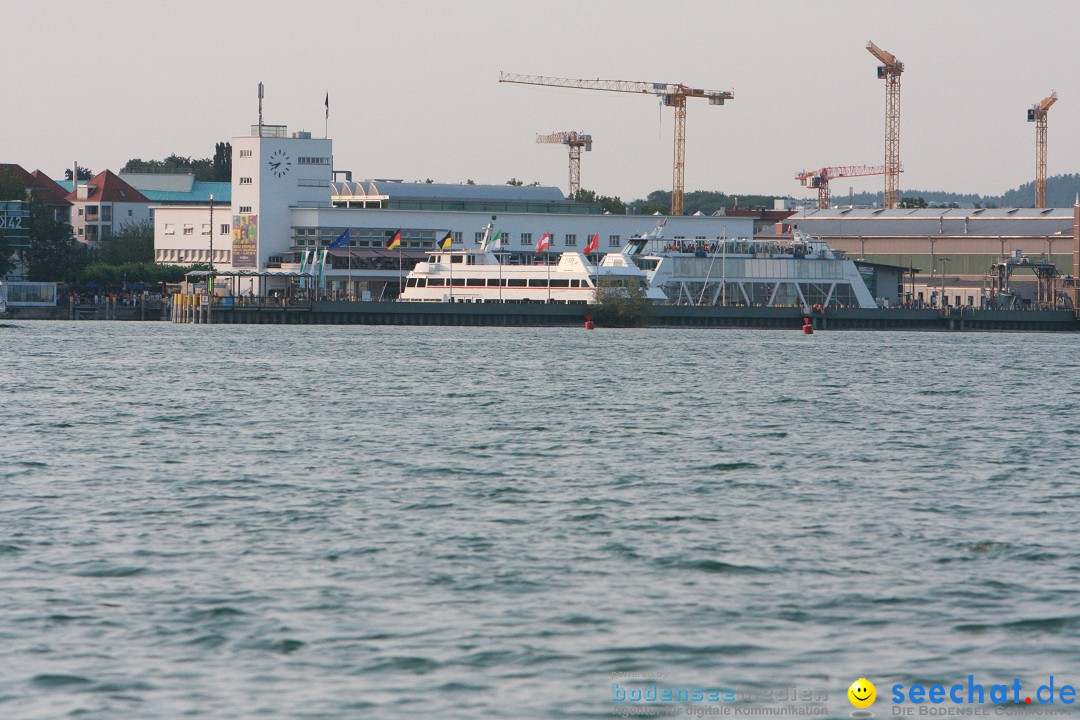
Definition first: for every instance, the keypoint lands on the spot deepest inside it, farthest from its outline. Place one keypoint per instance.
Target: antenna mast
(260, 108)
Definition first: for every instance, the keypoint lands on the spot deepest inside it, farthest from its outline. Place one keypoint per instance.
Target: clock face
(279, 163)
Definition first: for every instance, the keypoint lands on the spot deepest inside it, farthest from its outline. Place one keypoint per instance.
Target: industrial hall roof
(878, 222)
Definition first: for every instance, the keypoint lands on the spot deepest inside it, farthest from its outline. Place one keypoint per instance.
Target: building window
(245, 181)
(456, 236)
(571, 240)
(526, 238)
(206, 228)
(614, 241)
(189, 230)
(245, 209)
(80, 212)
(80, 231)
(106, 213)
(479, 237)
(312, 161)
(225, 229)
(129, 213)
(170, 229)
(245, 153)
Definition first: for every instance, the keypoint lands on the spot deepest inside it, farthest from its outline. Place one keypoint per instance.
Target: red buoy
(589, 324)
(807, 328)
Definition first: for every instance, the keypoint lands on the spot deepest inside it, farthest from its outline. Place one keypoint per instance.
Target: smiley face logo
(862, 693)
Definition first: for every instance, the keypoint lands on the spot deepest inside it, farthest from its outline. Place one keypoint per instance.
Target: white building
(285, 203)
(103, 205)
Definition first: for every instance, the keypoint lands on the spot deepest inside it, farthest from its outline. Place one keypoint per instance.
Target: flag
(322, 268)
(342, 240)
(304, 261)
(544, 243)
(327, 106)
(394, 243)
(498, 237)
(447, 242)
(594, 244)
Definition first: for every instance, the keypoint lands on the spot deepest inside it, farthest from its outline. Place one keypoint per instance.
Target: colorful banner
(245, 240)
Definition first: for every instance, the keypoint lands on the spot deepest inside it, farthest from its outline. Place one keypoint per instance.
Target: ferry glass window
(455, 259)
(571, 240)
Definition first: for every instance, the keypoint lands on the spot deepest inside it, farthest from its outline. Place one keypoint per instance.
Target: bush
(623, 304)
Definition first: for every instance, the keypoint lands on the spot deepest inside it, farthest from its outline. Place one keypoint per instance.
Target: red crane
(820, 178)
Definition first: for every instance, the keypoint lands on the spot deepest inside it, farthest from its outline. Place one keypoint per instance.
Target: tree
(223, 162)
(613, 205)
(7, 257)
(11, 188)
(131, 243)
(515, 182)
(53, 253)
(623, 302)
(84, 174)
(204, 169)
(912, 202)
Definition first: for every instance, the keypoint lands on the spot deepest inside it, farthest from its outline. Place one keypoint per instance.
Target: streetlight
(943, 261)
(210, 282)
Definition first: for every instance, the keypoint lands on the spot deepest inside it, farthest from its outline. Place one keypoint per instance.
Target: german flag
(446, 242)
(395, 242)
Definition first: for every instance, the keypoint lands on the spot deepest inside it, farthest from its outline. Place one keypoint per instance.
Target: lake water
(378, 522)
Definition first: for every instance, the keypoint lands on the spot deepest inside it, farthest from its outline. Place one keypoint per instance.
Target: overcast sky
(414, 89)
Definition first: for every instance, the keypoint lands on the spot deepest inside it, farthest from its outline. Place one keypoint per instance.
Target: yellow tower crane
(671, 94)
(574, 141)
(890, 72)
(1037, 115)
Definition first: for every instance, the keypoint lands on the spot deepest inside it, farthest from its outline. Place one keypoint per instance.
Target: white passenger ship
(799, 271)
(477, 275)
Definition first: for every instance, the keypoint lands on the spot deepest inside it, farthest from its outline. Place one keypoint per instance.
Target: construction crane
(574, 141)
(820, 178)
(1037, 115)
(671, 94)
(890, 72)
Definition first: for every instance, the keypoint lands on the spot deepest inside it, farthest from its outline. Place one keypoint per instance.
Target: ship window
(436, 282)
(560, 283)
(410, 282)
(575, 283)
(421, 282)
(456, 259)
(495, 282)
(475, 282)
(516, 282)
(538, 283)
(458, 282)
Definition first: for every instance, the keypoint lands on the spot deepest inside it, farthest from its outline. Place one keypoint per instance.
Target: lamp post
(210, 283)
(943, 261)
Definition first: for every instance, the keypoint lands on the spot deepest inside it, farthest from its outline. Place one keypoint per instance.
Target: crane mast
(671, 94)
(890, 71)
(574, 141)
(1037, 114)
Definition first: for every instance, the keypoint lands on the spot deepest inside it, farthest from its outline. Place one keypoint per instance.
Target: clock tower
(272, 173)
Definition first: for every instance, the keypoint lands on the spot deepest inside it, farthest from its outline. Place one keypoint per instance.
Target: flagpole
(350, 293)
(399, 270)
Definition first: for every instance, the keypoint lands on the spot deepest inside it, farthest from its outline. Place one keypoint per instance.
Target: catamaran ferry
(478, 275)
(799, 271)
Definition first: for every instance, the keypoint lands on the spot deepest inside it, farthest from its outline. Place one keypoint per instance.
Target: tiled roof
(37, 181)
(106, 186)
